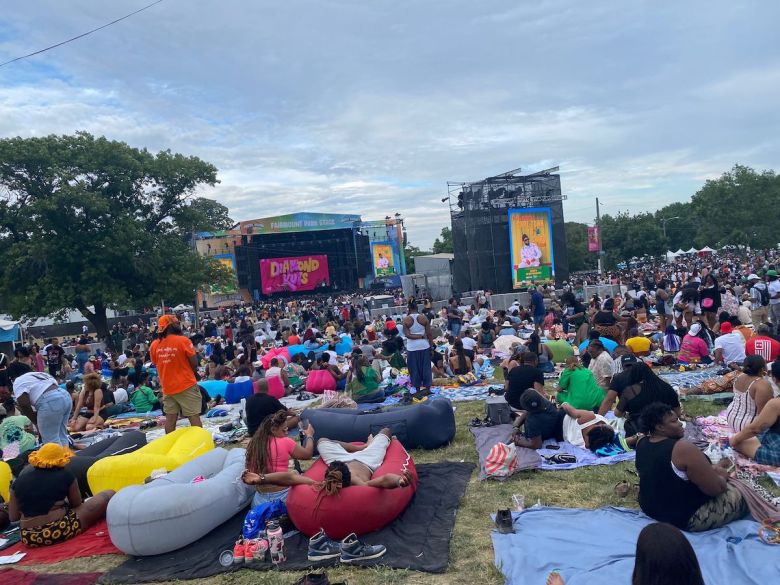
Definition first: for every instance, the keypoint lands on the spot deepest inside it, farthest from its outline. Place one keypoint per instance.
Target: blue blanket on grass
(591, 547)
(461, 394)
(584, 456)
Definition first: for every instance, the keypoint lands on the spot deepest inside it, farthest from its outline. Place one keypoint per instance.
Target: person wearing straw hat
(46, 499)
(174, 356)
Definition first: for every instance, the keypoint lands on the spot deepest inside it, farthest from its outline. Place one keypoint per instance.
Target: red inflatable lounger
(357, 509)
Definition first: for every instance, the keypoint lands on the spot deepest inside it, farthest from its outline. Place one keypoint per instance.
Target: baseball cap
(771, 272)
(753, 277)
(628, 360)
(726, 327)
(166, 321)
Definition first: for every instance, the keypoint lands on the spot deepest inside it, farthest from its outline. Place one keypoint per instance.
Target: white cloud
(370, 107)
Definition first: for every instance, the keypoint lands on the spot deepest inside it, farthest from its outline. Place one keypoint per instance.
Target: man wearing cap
(618, 383)
(758, 310)
(174, 356)
(774, 299)
(730, 346)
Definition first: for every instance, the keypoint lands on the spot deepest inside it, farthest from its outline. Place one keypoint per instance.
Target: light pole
(663, 223)
(601, 249)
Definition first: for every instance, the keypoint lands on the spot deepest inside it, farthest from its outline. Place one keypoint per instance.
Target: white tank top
(417, 329)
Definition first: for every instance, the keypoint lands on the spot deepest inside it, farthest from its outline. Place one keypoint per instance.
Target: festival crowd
(721, 309)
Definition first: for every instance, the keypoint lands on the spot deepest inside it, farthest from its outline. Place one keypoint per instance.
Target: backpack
(764, 292)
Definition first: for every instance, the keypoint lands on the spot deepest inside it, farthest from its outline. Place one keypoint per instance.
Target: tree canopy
(443, 244)
(87, 223)
(577, 247)
(202, 215)
(735, 209)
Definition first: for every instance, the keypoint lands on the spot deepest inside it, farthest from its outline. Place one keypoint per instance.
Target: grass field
(471, 552)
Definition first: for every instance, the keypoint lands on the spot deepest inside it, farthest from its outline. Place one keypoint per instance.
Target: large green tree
(443, 244)
(409, 253)
(624, 236)
(740, 207)
(577, 247)
(679, 223)
(90, 224)
(202, 215)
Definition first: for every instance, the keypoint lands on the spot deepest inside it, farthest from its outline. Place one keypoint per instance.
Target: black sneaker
(313, 579)
(322, 548)
(504, 522)
(353, 550)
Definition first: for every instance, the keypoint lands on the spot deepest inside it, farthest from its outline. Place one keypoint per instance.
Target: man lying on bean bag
(348, 465)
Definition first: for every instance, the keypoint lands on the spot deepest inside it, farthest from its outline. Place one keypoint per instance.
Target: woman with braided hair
(269, 452)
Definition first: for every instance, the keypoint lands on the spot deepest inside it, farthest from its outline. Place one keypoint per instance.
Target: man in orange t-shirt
(174, 356)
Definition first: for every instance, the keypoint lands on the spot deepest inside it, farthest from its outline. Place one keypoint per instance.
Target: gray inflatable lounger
(171, 512)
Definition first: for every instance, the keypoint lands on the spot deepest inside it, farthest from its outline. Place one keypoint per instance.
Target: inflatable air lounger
(116, 445)
(421, 426)
(166, 453)
(172, 512)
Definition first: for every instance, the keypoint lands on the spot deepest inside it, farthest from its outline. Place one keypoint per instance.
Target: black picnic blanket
(419, 539)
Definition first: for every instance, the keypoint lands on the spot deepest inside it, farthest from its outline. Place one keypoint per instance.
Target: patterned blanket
(714, 428)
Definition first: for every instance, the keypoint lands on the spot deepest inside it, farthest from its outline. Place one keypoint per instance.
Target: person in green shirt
(578, 386)
(363, 381)
(143, 397)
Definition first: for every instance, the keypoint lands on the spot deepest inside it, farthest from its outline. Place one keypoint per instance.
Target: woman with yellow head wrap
(47, 500)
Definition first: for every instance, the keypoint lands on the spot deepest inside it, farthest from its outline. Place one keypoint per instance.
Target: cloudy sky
(370, 106)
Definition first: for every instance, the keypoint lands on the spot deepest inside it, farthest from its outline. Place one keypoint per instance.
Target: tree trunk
(98, 318)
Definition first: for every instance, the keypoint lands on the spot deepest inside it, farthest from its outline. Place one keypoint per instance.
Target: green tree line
(738, 208)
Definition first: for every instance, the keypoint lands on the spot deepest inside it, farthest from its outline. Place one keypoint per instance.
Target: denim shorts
(263, 497)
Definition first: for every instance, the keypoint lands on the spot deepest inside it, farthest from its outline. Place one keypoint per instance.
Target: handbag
(501, 461)
(497, 410)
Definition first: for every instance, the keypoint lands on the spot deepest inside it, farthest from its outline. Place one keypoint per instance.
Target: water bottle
(275, 542)
(715, 453)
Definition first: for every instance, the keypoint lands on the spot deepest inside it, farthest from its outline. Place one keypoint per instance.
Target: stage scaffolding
(480, 227)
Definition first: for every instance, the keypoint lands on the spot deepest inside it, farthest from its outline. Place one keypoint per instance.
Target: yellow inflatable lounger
(5, 481)
(167, 452)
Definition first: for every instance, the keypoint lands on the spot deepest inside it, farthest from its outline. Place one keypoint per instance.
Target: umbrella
(504, 343)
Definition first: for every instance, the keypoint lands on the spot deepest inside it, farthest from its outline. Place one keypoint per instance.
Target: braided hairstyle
(336, 477)
(258, 452)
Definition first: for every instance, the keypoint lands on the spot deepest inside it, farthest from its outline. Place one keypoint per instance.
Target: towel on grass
(486, 437)
(598, 546)
(17, 577)
(94, 541)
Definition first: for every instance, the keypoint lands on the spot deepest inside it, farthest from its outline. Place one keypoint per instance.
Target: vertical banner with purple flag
(593, 239)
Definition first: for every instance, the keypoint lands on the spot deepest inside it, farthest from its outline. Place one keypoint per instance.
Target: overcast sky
(368, 106)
